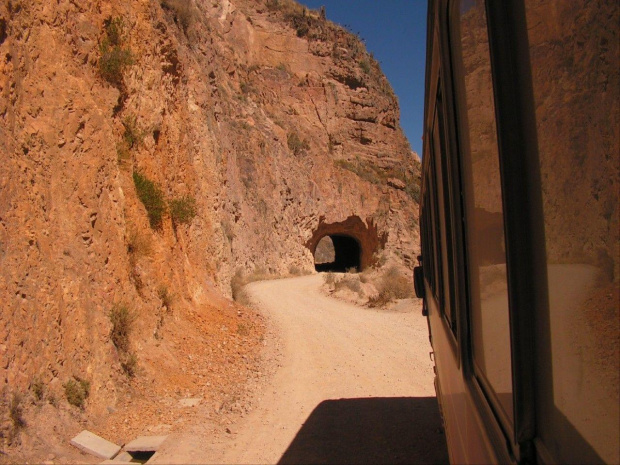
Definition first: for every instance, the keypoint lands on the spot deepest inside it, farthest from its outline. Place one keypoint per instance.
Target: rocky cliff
(151, 150)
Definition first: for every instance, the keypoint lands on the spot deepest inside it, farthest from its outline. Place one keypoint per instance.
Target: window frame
(522, 205)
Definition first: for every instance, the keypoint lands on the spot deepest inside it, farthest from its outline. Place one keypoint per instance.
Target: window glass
(576, 81)
(437, 268)
(484, 220)
(440, 156)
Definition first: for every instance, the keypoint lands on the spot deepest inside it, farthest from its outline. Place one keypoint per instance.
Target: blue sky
(395, 32)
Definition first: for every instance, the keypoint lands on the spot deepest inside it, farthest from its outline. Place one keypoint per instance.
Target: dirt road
(353, 385)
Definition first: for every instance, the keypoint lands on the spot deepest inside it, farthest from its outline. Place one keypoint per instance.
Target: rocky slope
(245, 127)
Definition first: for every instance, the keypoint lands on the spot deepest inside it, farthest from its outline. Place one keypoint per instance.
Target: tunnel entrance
(337, 252)
(353, 241)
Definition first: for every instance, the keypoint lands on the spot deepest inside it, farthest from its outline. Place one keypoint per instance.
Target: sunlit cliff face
(269, 118)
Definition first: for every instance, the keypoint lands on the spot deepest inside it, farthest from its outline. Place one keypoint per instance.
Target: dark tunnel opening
(346, 254)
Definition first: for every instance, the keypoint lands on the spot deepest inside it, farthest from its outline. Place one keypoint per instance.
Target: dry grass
(350, 282)
(393, 285)
(294, 270)
(241, 279)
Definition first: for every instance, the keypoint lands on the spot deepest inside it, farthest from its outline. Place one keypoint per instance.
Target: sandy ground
(349, 385)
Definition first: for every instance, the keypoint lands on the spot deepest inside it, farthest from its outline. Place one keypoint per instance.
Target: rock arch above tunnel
(346, 235)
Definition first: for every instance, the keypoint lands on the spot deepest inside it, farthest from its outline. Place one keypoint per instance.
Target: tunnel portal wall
(365, 233)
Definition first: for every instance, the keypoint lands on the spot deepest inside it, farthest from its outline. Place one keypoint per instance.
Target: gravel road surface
(352, 385)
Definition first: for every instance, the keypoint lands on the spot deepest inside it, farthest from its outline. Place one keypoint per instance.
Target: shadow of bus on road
(371, 430)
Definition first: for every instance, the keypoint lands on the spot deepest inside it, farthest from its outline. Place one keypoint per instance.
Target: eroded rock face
(272, 130)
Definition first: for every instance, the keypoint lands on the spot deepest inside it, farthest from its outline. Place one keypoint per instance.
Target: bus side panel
(467, 442)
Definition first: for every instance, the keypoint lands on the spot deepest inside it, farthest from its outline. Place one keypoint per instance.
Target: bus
(519, 268)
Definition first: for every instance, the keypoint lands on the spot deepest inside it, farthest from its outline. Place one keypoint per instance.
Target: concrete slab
(124, 456)
(95, 445)
(145, 444)
(190, 402)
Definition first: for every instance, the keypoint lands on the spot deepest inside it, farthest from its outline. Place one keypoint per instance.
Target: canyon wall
(262, 118)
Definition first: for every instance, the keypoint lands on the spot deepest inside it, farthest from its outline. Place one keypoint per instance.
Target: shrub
(129, 364)
(122, 152)
(365, 276)
(273, 5)
(152, 198)
(38, 389)
(393, 285)
(240, 279)
(77, 391)
(114, 58)
(329, 278)
(365, 66)
(16, 411)
(237, 287)
(183, 210)
(349, 282)
(122, 320)
(182, 10)
(294, 270)
(132, 135)
(295, 144)
(364, 170)
(165, 296)
(138, 245)
(242, 330)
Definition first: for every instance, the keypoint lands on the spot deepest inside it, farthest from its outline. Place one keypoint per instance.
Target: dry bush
(38, 389)
(165, 296)
(133, 135)
(152, 197)
(349, 282)
(183, 12)
(16, 412)
(77, 391)
(115, 58)
(237, 287)
(183, 210)
(129, 364)
(138, 245)
(122, 319)
(366, 276)
(296, 144)
(329, 278)
(393, 285)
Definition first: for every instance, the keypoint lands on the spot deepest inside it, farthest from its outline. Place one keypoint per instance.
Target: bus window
(436, 234)
(484, 219)
(444, 213)
(576, 84)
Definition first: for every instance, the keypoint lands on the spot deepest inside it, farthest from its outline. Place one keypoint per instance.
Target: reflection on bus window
(486, 255)
(574, 58)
